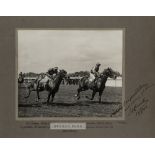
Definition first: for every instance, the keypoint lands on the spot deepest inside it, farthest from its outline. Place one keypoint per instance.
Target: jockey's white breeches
(44, 80)
(91, 77)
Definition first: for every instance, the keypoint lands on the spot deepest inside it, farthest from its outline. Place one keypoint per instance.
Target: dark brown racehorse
(52, 86)
(98, 85)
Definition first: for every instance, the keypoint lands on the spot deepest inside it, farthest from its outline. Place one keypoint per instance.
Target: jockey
(94, 72)
(52, 71)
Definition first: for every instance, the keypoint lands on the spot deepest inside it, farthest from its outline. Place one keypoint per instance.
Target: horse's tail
(29, 89)
(28, 92)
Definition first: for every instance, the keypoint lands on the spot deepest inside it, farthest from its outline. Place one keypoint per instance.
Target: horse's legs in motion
(100, 94)
(38, 97)
(48, 98)
(52, 97)
(93, 94)
(78, 93)
(92, 97)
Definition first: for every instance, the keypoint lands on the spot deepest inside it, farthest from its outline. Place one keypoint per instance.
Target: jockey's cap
(50, 69)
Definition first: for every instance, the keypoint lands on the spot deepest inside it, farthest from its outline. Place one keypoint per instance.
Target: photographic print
(70, 74)
(77, 77)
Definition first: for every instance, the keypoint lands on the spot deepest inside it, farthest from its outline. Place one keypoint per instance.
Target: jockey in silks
(49, 74)
(94, 72)
(52, 72)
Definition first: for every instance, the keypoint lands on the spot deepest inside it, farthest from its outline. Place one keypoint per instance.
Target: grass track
(66, 105)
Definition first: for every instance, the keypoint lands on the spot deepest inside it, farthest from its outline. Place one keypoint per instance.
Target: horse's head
(62, 73)
(111, 73)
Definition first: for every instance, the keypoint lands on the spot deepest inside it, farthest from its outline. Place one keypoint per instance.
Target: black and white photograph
(83, 77)
(70, 73)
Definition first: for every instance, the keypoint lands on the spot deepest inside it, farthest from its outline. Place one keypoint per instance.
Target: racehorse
(51, 85)
(98, 85)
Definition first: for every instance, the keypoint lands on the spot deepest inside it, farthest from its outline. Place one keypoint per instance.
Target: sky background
(72, 50)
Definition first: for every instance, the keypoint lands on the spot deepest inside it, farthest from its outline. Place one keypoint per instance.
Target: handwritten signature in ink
(137, 103)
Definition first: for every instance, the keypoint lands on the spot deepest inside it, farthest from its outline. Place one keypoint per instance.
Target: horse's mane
(105, 70)
(110, 69)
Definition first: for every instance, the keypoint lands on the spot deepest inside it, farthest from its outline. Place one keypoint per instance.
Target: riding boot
(94, 81)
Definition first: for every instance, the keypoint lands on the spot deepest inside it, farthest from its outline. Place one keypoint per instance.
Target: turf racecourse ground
(66, 105)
